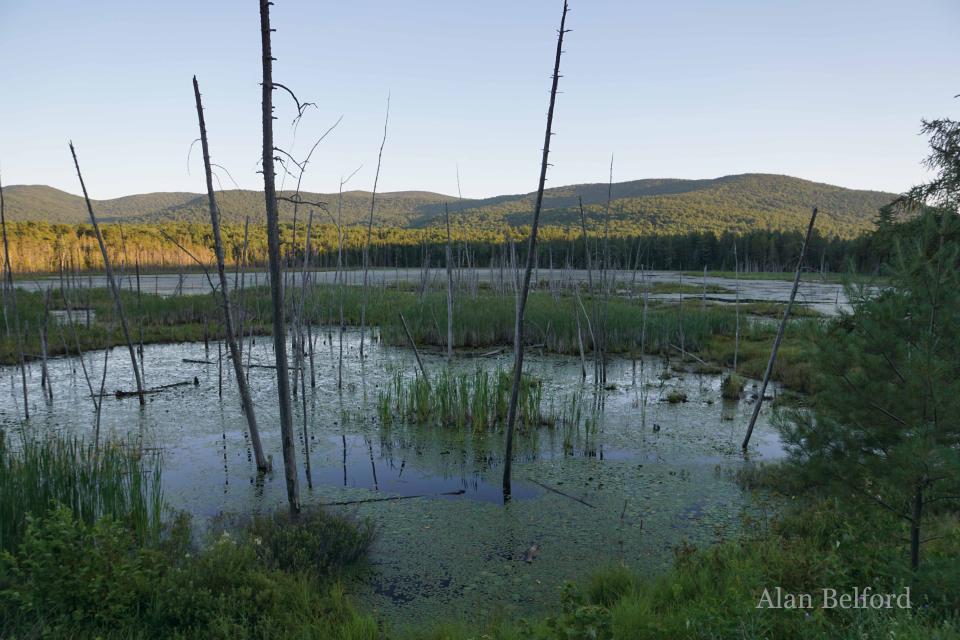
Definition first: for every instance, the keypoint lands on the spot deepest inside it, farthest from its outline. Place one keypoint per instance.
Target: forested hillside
(641, 207)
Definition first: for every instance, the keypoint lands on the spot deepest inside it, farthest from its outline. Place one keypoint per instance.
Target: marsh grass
(732, 387)
(478, 400)
(118, 481)
(483, 322)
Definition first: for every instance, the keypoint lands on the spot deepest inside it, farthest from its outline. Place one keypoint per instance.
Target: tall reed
(478, 400)
(118, 481)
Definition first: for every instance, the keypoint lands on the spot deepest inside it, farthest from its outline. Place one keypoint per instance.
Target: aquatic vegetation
(676, 396)
(117, 480)
(478, 400)
(732, 387)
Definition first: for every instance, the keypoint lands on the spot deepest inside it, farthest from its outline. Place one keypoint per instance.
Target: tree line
(40, 247)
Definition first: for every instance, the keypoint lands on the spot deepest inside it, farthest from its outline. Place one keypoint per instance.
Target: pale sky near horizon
(827, 90)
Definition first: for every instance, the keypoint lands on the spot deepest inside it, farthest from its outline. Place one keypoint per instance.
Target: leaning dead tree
(276, 275)
(235, 356)
(531, 257)
(780, 330)
(111, 281)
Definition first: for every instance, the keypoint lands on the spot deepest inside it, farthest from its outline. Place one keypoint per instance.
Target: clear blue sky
(829, 90)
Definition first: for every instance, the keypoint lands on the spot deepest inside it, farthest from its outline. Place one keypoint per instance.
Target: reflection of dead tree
(366, 247)
(276, 276)
(245, 399)
(531, 257)
(111, 281)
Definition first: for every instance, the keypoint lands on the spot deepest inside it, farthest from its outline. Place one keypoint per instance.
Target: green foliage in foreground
(113, 481)
(884, 423)
(88, 571)
(69, 579)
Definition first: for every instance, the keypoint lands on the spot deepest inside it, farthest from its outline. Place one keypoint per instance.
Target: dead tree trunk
(276, 275)
(449, 257)
(11, 298)
(780, 330)
(366, 247)
(235, 356)
(111, 282)
(736, 336)
(531, 256)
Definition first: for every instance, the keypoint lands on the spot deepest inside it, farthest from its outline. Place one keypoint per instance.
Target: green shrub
(69, 579)
(314, 542)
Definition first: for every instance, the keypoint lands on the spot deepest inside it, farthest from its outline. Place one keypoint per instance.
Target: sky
(827, 90)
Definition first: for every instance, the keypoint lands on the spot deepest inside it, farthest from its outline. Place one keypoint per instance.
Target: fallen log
(458, 492)
(565, 495)
(120, 393)
(486, 354)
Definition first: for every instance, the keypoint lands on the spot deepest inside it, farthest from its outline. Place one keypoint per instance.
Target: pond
(625, 484)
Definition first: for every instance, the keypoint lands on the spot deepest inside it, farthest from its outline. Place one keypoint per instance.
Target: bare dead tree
(246, 400)
(589, 260)
(366, 247)
(10, 299)
(45, 382)
(449, 259)
(111, 281)
(531, 257)
(276, 275)
(736, 335)
(780, 330)
(299, 364)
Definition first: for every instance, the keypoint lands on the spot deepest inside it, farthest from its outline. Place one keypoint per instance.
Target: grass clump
(731, 388)
(116, 481)
(676, 396)
(479, 400)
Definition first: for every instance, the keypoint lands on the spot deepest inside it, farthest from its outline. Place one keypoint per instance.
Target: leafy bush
(314, 542)
(69, 579)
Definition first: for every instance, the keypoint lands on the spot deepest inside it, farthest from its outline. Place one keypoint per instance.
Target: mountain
(731, 203)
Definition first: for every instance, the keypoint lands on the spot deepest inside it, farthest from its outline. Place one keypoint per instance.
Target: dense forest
(39, 247)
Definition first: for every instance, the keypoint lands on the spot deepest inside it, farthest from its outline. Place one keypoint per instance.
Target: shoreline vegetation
(706, 331)
(273, 576)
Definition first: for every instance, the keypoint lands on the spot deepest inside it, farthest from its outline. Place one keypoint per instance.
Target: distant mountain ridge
(652, 206)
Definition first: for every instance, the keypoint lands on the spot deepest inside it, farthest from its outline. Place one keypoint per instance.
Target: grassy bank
(76, 563)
